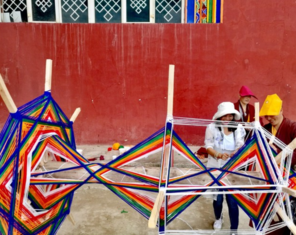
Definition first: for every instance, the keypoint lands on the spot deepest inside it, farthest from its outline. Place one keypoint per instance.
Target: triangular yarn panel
(61, 114)
(252, 152)
(44, 221)
(193, 173)
(32, 131)
(177, 204)
(59, 149)
(9, 145)
(33, 109)
(180, 146)
(137, 154)
(44, 195)
(50, 113)
(257, 206)
(141, 201)
(141, 187)
(70, 135)
(130, 176)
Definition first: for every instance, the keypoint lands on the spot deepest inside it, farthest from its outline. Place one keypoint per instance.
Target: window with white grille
(112, 11)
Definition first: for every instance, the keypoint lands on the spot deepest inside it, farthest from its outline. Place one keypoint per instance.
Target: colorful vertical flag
(204, 11)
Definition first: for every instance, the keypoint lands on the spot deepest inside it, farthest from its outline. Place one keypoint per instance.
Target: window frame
(92, 12)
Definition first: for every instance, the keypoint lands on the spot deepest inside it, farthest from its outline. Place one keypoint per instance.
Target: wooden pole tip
(75, 114)
(6, 97)
(48, 75)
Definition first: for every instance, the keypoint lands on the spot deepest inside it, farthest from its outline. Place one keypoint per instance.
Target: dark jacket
(250, 112)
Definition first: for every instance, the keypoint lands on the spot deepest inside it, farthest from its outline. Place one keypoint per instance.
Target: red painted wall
(118, 73)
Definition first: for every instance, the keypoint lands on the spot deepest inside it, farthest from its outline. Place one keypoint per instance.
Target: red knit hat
(245, 91)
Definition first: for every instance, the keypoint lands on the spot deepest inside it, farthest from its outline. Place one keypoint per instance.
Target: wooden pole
(71, 218)
(6, 97)
(272, 138)
(290, 146)
(75, 114)
(29, 11)
(171, 98)
(289, 191)
(48, 74)
(285, 218)
(171, 91)
(155, 210)
(257, 110)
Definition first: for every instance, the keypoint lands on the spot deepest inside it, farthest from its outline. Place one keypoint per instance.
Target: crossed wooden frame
(166, 154)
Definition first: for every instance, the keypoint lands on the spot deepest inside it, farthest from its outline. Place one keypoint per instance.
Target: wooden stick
(156, 209)
(70, 217)
(285, 218)
(165, 162)
(291, 146)
(58, 12)
(91, 14)
(75, 114)
(257, 110)
(6, 97)
(48, 74)
(29, 11)
(171, 90)
(289, 191)
(271, 140)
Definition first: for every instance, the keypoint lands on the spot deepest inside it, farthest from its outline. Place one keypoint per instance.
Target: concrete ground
(97, 211)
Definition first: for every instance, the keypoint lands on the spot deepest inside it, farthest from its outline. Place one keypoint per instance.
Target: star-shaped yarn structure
(30, 204)
(258, 192)
(35, 199)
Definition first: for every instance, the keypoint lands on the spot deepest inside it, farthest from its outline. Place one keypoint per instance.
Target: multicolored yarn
(256, 199)
(205, 11)
(30, 204)
(34, 200)
(268, 174)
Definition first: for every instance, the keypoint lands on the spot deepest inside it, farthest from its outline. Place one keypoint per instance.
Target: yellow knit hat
(272, 106)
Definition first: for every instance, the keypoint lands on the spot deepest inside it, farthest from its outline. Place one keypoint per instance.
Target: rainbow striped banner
(204, 11)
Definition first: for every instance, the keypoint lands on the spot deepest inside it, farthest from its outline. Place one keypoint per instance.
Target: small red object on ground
(110, 148)
(102, 157)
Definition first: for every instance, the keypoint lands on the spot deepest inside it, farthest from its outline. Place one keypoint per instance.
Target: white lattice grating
(75, 6)
(137, 5)
(43, 4)
(108, 7)
(14, 5)
(165, 7)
